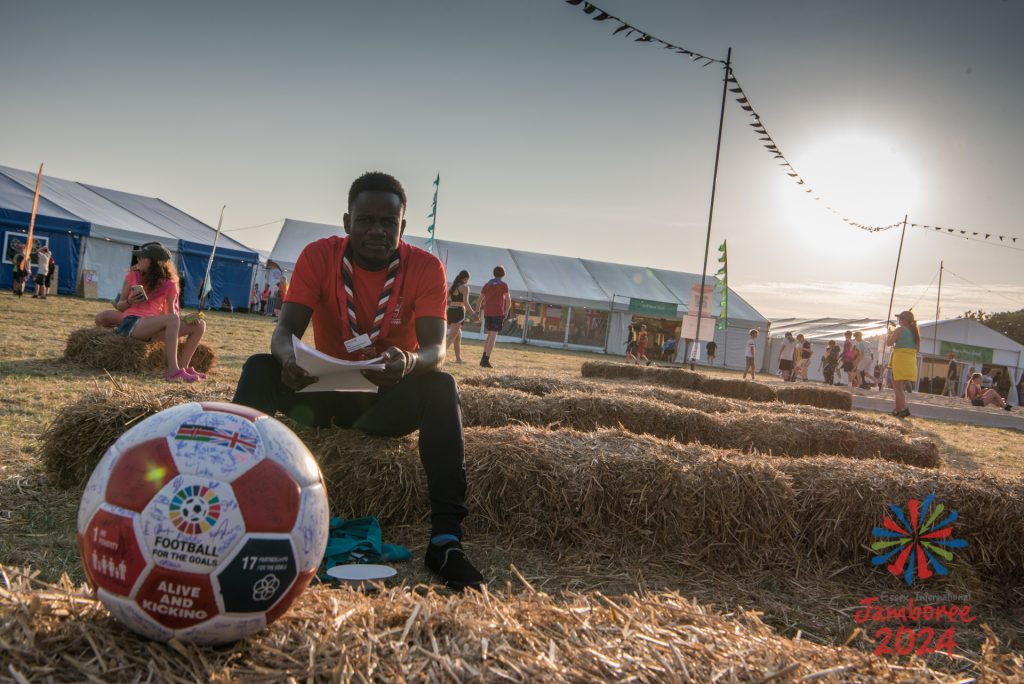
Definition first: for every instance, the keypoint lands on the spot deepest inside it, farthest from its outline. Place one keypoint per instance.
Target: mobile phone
(138, 289)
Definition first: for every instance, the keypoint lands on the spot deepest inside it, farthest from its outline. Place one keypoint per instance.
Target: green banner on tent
(649, 307)
(966, 352)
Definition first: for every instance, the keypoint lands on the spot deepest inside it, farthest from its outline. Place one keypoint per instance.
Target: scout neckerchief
(386, 303)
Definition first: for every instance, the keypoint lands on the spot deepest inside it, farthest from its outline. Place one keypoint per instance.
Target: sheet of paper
(334, 375)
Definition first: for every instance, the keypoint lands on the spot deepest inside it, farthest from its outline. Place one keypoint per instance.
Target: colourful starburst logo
(914, 542)
(194, 509)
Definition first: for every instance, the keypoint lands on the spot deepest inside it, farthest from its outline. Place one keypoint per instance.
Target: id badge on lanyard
(357, 343)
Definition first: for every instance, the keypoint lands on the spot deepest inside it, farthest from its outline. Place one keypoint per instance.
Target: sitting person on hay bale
(369, 295)
(148, 308)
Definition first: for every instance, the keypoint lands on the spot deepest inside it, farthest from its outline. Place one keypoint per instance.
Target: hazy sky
(551, 135)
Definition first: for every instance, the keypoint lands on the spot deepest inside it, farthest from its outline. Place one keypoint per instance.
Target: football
(204, 523)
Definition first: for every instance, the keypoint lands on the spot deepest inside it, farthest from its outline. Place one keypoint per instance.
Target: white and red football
(203, 523)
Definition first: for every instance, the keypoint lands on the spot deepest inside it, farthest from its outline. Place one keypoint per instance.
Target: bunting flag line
(773, 149)
(598, 14)
(723, 282)
(1007, 240)
(433, 215)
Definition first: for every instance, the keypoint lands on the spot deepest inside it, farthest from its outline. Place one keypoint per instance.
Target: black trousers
(428, 403)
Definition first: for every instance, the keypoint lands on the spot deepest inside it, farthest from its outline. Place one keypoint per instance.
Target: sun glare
(862, 176)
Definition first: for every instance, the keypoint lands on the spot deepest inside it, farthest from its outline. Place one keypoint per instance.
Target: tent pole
(888, 316)
(938, 298)
(711, 210)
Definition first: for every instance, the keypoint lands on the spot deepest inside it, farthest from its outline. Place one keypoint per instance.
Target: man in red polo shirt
(496, 303)
(370, 294)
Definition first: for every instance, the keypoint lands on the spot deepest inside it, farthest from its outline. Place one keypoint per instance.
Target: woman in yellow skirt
(905, 340)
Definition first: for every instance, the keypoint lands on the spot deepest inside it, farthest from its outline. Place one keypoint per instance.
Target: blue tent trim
(64, 238)
(231, 273)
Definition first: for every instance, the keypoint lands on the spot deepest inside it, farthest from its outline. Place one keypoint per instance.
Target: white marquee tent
(561, 301)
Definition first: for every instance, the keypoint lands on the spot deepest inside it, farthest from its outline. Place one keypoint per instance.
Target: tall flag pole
(723, 282)
(711, 210)
(27, 263)
(207, 285)
(433, 215)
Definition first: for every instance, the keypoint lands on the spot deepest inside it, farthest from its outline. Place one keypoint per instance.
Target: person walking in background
(905, 340)
(495, 302)
(50, 273)
(786, 357)
(264, 298)
(952, 376)
(641, 346)
(865, 365)
(668, 350)
(750, 354)
(803, 354)
(711, 347)
(20, 267)
(631, 331)
(43, 263)
(279, 295)
(254, 299)
(458, 307)
(830, 362)
(979, 396)
(849, 359)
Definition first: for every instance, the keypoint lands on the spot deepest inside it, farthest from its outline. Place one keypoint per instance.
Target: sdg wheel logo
(914, 541)
(194, 509)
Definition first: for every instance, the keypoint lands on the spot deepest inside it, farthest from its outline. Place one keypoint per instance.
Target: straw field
(726, 387)
(104, 349)
(573, 488)
(344, 635)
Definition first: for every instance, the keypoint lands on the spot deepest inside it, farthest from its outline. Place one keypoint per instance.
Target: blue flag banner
(433, 215)
(723, 283)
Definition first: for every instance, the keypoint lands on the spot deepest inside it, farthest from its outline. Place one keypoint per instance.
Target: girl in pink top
(153, 311)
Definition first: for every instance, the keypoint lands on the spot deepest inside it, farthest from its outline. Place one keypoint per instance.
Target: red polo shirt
(317, 282)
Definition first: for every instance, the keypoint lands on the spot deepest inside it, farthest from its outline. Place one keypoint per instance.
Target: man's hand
(397, 364)
(295, 377)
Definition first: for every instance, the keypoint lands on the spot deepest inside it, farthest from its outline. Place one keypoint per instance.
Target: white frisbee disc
(362, 573)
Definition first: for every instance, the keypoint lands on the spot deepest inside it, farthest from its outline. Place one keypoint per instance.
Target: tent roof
(294, 236)
(535, 276)
(78, 200)
(620, 282)
(681, 283)
(558, 279)
(169, 219)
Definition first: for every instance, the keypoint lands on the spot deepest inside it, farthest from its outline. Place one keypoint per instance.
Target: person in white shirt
(865, 359)
(750, 354)
(43, 262)
(786, 356)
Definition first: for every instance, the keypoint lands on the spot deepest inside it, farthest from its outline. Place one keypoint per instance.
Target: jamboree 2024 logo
(915, 544)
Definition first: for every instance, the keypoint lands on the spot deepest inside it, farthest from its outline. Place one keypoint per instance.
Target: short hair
(376, 181)
(499, 271)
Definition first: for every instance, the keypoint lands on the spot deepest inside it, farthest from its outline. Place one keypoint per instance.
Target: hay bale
(671, 377)
(752, 431)
(738, 389)
(81, 432)
(103, 348)
(821, 397)
(601, 491)
(708, 403)
(61, 633)
(839, 502)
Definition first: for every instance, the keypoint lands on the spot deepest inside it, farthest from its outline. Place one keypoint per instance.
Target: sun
(862, 175)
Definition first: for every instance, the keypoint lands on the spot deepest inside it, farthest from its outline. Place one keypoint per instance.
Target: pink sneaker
(195, 374)
(179, 376)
